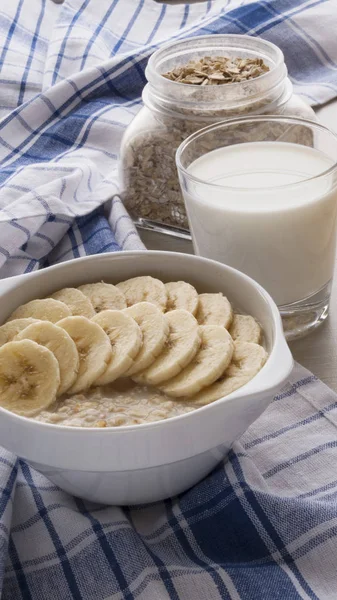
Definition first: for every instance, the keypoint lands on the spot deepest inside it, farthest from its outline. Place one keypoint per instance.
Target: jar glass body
(173, 111)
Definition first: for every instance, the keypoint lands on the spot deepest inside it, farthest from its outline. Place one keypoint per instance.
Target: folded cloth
(71, 80)
(263, 524)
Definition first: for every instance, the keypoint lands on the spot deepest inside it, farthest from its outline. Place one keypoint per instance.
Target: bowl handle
(276, 371)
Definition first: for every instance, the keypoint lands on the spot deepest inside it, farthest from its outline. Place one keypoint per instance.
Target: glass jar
(172, 111)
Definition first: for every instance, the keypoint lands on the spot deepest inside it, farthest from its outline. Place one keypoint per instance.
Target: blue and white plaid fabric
(263, 525)
(70, 81)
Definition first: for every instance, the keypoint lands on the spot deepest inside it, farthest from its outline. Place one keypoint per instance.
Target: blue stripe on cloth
(299, 457)
(31, 53)
(157, 25)
(63, 187)
(282, 18)
(265, 524)
(307, 49)
(37, 516)
(8, 491)
(307, 421)
(140, 4)
(228, 537)
(73, 243)
(192, 555)
(10, 34)
(165, 574)
(64, 561)
(66, 37)
(107, 551)
(295, 386)
(316, 540)
(95, 237)
(4, 252)
(96, 234)
(14, 223)
(33, 263)
(319, 490)
(9, 463)
(24, 123)
(46, 238)
(97, 31)
(5, 21)
(185, 16)
(19, 571)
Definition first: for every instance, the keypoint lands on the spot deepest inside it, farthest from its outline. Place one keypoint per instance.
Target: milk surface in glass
(264, 216)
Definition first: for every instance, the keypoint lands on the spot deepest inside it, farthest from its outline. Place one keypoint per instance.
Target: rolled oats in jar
(192, 84)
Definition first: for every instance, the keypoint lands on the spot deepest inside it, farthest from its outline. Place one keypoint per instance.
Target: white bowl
(149, 462)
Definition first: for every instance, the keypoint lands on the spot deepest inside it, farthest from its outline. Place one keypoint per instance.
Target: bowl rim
(279, 348)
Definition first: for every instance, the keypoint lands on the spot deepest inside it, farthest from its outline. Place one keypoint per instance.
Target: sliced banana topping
(144, 289)
(210, 362)
(60, 344)
(214, 309)
(248, 359)
(244, 328)
(181, 294)
(182, 344)
(189, 346)
(126, 340)
(47, 309)
(78, 303)
(9, 330)
(154, 330)
(93, 347)
(104, 296)
(29, 377)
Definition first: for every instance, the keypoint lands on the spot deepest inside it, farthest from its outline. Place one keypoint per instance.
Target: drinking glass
(261, 196)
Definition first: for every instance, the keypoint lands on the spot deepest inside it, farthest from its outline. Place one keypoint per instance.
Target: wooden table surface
(317, 351)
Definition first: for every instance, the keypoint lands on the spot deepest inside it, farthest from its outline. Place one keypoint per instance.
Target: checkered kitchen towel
(264, 524)
(71, 77)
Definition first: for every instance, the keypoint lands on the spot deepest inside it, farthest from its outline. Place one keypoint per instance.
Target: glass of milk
(261, 196)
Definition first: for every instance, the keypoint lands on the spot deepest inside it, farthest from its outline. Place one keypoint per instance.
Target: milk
(284, 237)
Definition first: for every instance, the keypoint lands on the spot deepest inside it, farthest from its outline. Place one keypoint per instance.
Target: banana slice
(60, 344)
(126, 340)
(78, 303)
(214, 309)
(12, 328)
(154, 330)
(182, 295)
(244, 328)
(182, 344)
(144, 289)
(94, 349)
(248, 359)
(210, 362)
(47, 309)
(103, 296)
(29, 377)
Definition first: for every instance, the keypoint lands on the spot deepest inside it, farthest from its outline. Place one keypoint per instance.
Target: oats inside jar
(217, 70)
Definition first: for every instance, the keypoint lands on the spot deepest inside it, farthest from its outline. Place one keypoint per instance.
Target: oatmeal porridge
(114, 405)
(140, 351)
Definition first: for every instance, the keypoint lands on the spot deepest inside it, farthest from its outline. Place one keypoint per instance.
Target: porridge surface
(122, 403)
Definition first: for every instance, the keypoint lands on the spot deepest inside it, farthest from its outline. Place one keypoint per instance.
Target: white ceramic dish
(145, 463)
